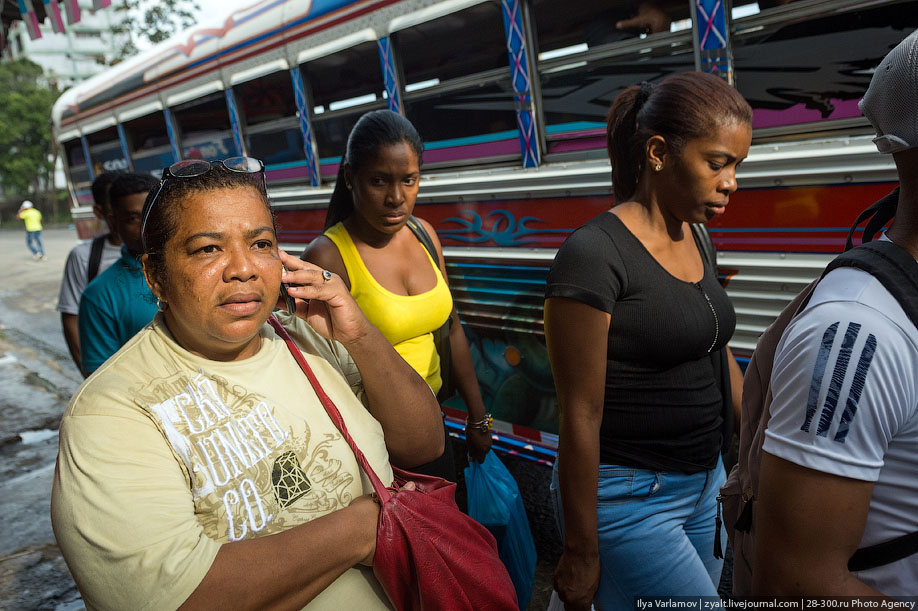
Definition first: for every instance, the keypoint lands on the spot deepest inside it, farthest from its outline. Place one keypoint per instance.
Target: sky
(211, 9)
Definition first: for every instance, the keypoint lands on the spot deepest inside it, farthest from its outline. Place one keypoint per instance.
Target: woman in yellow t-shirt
(389, 272)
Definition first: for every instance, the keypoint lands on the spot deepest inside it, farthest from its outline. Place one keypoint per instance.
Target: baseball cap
(889, 103)
(26, 204)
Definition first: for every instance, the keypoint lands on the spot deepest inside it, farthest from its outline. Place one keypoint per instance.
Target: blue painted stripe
(838, 378)
(573, 126)
(541, 268)
(287, 164)
(778, 230)
(324, 160)
(440, 144)
(857, 387)
(492, 279)
(828, 338)
(492, 290)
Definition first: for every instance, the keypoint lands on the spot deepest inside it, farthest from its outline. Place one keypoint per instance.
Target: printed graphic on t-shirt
(250, 473)
(840, 371)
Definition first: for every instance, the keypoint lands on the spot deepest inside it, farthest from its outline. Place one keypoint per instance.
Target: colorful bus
(510, 97)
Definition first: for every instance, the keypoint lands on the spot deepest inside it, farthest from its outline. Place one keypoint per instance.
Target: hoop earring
(161, 306)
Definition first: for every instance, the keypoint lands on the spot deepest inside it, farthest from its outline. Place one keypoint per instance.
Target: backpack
(441, 335)
(896, 269)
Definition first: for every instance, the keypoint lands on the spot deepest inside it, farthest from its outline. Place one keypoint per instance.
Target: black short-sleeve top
(662, 406)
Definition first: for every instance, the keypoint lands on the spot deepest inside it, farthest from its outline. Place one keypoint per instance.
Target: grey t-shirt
(76, 274)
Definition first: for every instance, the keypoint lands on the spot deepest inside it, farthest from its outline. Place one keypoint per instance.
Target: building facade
(82, 50)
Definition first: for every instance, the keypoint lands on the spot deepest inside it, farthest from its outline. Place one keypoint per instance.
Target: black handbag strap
(423, 237)
(95, 257)
(441, 335)
(705, 244)
(719, 360)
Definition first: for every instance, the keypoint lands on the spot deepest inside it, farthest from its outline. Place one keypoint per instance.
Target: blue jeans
(35, 236)
(656, 533)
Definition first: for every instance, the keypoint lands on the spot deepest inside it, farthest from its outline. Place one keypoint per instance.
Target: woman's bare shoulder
(324, 253)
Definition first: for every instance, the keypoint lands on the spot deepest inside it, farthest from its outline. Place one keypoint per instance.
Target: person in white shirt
(840, 468)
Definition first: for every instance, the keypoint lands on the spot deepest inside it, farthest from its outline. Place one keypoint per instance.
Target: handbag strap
(332, 410)
(424, 238)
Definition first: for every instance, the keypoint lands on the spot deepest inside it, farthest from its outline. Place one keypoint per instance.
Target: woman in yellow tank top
(389, 272)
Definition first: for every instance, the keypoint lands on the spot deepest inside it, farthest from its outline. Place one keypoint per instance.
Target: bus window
(74, 151)
(106, 152)
(79, 173)
(747, 8)
(341, 87)
(268, 108)
(562, 26)
(205, 128)
(812, 68)
(457, 87)
(149, 143)
(578, 88)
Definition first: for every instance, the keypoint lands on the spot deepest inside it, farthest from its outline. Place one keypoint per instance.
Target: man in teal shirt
(118, 303)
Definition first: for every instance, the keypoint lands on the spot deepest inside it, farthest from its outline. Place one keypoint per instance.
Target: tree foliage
(26, 149)
(151, 21)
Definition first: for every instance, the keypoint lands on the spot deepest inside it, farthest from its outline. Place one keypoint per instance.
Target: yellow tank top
(407, 321)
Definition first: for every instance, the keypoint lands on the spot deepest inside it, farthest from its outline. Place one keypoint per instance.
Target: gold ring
(326, 276)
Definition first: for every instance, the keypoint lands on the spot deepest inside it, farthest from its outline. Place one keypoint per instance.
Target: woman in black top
(632, 315)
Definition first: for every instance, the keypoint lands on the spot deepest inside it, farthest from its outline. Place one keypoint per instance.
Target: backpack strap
(892, 265)
(886, 552)
(877, 216)
(441, 335)
(95, 256)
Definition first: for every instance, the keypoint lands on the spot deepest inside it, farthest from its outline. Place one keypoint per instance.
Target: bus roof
(204, 50)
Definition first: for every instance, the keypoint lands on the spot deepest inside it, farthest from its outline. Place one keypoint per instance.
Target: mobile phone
(288, 300)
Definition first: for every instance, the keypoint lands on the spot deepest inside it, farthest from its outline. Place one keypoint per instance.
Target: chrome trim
(842, 160)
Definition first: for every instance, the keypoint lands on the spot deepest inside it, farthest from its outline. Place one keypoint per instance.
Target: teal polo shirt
(115, 306)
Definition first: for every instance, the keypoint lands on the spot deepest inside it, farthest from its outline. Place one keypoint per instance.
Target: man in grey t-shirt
(76, 270)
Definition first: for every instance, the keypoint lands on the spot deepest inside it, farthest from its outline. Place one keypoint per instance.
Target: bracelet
(483, 425)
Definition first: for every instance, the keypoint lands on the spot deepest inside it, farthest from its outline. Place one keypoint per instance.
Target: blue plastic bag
(495, 502)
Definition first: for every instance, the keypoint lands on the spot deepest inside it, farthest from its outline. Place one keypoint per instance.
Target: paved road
(37, 379)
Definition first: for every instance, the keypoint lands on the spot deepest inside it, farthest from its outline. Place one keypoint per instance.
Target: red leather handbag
(429, 555)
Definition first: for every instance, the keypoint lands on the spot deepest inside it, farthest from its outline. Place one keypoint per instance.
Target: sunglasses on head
(191, 168)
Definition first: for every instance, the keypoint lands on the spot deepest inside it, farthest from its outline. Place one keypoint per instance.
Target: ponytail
(623, 140)
(342, 202)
